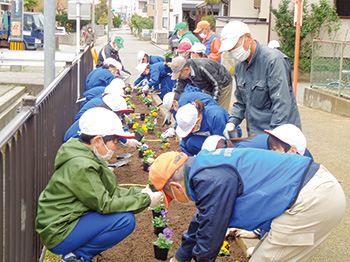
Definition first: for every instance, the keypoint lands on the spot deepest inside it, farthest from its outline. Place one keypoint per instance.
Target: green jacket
(190, 36)
(81, 184)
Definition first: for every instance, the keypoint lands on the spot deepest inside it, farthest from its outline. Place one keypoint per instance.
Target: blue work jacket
(214, 120)
(160, 77)
(243, 188)
(264, 92)
(98, 77)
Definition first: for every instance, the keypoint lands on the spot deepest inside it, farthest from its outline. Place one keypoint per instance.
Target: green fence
(330, 66)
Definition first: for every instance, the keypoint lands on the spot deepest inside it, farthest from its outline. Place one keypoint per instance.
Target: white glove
(245, 234)
(156, 197)
(145, 88)
(144, 82)
(132, 143)
(229, 127)
(167, 119)
(170, 132)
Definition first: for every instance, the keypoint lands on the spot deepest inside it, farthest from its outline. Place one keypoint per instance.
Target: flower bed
(139, 245)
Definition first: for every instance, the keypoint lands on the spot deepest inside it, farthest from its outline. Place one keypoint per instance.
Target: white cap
(198, 48)
(168, 100)
(186, 118)
(100, 121)
(112, 61)
(231, 33)
(211, 142)
(273, 44)
(141, 67)
(116, 103)
(141, 54)
(291, 135)
(116, 86)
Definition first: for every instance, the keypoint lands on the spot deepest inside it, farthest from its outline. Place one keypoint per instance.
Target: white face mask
(203, 36)
(183, 54)
(189, 203)
(116, 48)
(239, 53)
(107, 156)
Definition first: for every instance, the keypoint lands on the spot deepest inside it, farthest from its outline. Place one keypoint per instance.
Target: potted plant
(163, 244)
(128, 90)
(168, 57)
(165, 145)
(142, 117)
(156, 211)
(151, 125)
(159, 223)
(139, 131)
(147, 160)
(142, 149)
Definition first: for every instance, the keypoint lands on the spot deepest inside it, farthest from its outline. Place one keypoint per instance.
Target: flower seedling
(164, 241)
(159, 222)
(224, 251)
(158, 208)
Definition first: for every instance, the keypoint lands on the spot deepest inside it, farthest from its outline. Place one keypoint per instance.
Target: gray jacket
(207, 75)
(264, 92)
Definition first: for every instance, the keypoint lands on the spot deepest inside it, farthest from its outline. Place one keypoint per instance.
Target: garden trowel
(119, 164)
(124, 156)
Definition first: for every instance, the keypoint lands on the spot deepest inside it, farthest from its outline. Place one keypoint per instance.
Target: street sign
(85, 8)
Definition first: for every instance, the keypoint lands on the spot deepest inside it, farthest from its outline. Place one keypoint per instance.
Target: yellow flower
(127, 99)
(144, 127)
(149, 96)
(126, 118)
(154, 114)
(133, 115)
(146, 120)
(135, 125)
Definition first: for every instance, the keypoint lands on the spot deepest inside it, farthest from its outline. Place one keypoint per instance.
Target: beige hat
(100, 121)
(291, 135)
(186, 118)
(231, 33)
(177, 65)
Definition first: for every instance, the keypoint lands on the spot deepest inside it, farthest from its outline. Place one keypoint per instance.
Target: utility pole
(93, 16)
(109, 36)
(297, 24)
(49, 42)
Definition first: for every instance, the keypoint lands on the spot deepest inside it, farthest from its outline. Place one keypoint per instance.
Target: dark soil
(138, 246)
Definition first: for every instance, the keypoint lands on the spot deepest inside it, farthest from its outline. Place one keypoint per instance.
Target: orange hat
(201, 25)
(163, 168)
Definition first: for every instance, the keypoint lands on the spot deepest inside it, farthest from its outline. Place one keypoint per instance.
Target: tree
(70, 25)
(103, 19)
(101, 9)
(315, 17)
(30, 4)
(211, 3)
(117, 21)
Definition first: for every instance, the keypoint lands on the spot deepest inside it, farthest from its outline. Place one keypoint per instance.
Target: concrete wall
(318, 99)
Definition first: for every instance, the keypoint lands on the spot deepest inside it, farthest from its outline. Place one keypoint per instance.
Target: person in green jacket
(185, 35)
(82, 211)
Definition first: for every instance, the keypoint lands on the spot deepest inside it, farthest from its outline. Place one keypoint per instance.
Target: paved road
(328, 137)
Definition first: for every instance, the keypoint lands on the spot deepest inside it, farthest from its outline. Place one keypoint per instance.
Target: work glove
(144, 82)
(132, 143)
(229, 127)
(145, 88)
(167, 119)
(156, 197)
(245, 234)
(170, 132)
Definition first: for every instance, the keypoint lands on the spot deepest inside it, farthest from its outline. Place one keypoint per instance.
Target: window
(165, 22)
(165, 1)
(343, 8)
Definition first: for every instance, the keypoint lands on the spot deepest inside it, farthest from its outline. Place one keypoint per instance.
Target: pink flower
(168, 233)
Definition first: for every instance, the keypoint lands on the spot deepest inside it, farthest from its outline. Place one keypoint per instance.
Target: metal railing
(330, 66)
(29, 144)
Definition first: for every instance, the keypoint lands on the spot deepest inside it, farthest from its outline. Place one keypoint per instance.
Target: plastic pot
(160, 253)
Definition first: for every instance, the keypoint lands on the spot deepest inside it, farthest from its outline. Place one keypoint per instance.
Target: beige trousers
(319, 208)
(225, 97)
